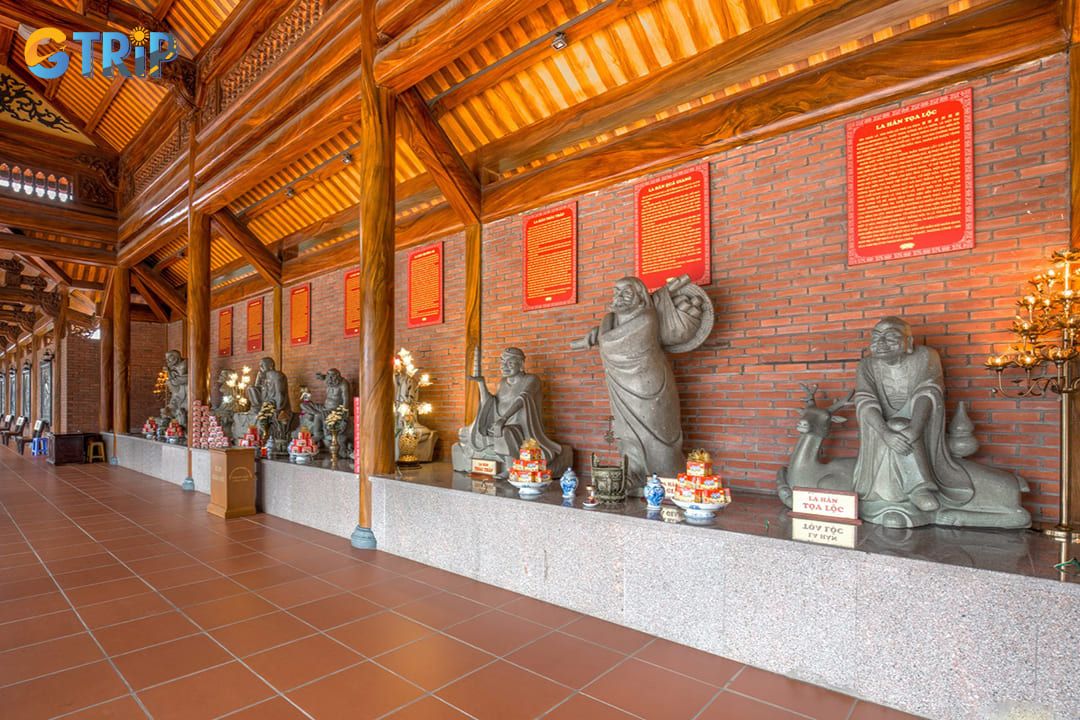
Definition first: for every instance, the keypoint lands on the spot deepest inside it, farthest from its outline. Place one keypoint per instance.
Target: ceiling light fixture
(346, 158)
(558, 42)
(290, 192)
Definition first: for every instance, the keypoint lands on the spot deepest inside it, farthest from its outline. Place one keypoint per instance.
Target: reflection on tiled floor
(120, 597)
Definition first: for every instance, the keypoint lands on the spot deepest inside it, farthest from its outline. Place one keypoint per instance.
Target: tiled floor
(120, 597)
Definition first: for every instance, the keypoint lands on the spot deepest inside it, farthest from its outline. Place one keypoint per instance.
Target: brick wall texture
(80, 400)
(789, 309)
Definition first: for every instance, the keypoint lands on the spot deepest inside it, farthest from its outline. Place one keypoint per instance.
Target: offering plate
(529, 489)
(301, 458)
(697, 510)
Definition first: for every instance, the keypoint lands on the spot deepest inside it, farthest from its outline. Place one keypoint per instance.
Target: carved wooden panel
(157, 162)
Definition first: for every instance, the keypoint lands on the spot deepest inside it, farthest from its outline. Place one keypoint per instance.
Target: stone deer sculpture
(805, 468)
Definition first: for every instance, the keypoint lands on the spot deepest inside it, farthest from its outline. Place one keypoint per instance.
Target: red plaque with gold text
(224, 332)
(425, 286)
(671, 224)
(352, 303)
(300, 315)
(910, 181)
(255, 325)
(549, 257)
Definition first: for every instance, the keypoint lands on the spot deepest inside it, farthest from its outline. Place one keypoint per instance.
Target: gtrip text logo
(150, 50)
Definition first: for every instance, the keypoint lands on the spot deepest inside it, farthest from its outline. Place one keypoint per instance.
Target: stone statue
(506, 418)
(633, 339)
(176, 369)
(905, 474)
(270, 386)
(313, 414)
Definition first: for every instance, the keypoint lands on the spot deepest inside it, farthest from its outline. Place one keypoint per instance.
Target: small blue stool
(39, 446)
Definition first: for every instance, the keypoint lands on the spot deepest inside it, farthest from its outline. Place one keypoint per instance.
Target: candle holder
(1047, 328)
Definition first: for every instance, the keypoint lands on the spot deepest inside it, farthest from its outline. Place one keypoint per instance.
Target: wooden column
(121, 350)
(198, 307)
(1071, 405)
(105, 414)
(375, 439)
(474, 283)
(277, 320)
(59, 382)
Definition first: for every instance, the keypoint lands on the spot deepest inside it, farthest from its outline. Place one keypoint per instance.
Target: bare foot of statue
(923, 499)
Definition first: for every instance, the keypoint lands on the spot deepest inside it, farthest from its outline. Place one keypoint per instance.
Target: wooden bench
(39, 427)
(15, 431)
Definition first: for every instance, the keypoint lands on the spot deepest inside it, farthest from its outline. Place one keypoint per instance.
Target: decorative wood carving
(93, 192)
(19, 102)
(107, 170)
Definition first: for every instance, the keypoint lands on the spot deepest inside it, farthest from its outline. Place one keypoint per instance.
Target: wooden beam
(7, 35)
(104, 309)
(437, 222)
(146, 242)
(238, 291)
(936, 55)
(430, 143)
(249, 246)
(148, 297)
(49, 268)
(394, 16)
(162, 288)
(104, 103)
(53, 250)
(445, 34)
(244, 27)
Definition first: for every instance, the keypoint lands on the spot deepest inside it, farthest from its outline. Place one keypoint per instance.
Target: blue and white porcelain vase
(568, 481)
(654, 491)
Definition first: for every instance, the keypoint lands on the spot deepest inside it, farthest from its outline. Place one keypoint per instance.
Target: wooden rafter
(48, 267)
(249, 246)
(103, 104)
(158, 285)
(104, 308)
(149, 298)
(430, 143)
(162, 8)
(79, 254)
(7, 35)
(394, 16)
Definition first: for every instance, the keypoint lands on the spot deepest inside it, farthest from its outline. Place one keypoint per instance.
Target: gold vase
(407, 442)
(333, 447)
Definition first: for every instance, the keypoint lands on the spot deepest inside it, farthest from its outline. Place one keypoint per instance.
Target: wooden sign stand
(232, 482)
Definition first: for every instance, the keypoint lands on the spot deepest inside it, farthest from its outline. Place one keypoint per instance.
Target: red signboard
(671, 225)
(352, 303)
(224, 335)
(300, 315)
(425, 286)
(910, 181)
(255, 325)
(549, 257)
(356, 433)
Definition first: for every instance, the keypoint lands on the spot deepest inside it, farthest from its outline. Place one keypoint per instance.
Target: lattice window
(156, 163)
(34, 183)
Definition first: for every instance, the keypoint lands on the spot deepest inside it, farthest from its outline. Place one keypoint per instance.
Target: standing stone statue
(176, 369)
(270, 386)
(633, 339)
(506, 418)
(313, 414)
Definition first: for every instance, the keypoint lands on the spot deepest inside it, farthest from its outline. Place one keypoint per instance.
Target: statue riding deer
(805, 468)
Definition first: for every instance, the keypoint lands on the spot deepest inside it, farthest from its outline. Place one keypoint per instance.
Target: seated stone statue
(176, 369)
(506, 418)
(270, 386)
(313, 414)
(905, 474)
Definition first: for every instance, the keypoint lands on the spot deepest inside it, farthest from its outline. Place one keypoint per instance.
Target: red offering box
(531, 454)
(699, 469)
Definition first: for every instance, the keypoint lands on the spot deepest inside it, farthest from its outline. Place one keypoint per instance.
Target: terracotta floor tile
(22, 573)
(125, 708)
(302, 661)
(92, 576)
(204, 591)
(23, 608)
(539, 611)
(175, 577)
(440, 578)
(299, 592)
(229, 610)
(497, 632)
(206, 695)
(870, 711)
(39, 629)
(607, 634)
(487, 594)
(398, 591)
(86, 562)
(566, 659)
(106, 591)
(157, 563)
(357, 575)
(386, 560)
(581, 707)
(379, 633)
(650, 691)
(699, 665)
(277, 708)
(315, 561)
(47, 657)
(441, 610)
(26, 588)
(136, 634)
(812, 700)
(138, 552)
(123, 610)
(62, 692)
(732, 706)
(70, 551)
(261, 633)
(428, 708)
(242, 563)
(434, 661)
(18, 559)
(267, 576)
(531, 696)
(362, 692)
(160, 663)
(335, 610)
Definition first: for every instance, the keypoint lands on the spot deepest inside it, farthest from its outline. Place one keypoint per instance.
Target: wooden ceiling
(492, 118)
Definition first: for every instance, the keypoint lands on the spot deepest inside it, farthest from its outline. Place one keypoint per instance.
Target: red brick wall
(81, 392)
(240, 356)
(788, 307)
(147, 358)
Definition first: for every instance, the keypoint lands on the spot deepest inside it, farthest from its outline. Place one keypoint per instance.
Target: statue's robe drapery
(526, 422)
(881, 473)
(641, 386)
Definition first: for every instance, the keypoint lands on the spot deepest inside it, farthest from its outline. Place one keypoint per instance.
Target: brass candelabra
(1047, 328)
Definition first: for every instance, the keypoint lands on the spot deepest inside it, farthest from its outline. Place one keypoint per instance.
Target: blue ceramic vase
(568, 481)
(654, 491)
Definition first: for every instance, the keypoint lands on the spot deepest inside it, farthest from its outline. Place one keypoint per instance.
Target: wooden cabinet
(69, 447)
(232, 482)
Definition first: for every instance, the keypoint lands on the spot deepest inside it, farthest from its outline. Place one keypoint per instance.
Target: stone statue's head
(630, 295)
(267, 363)
(891, 339)
(172, 357)
(511, 361)
(333, 377)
